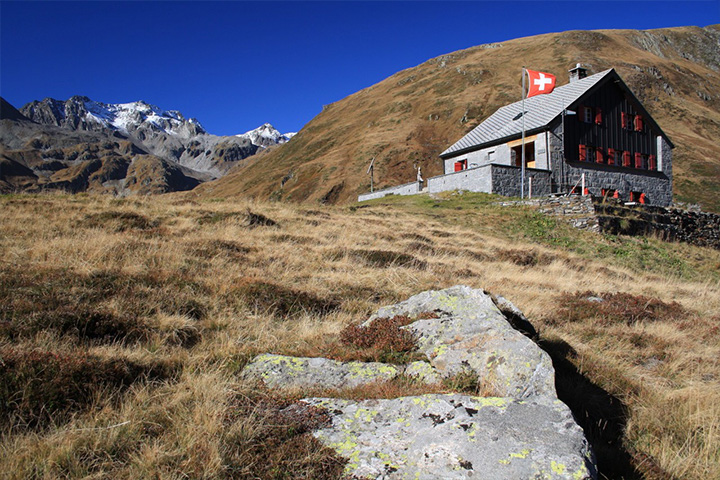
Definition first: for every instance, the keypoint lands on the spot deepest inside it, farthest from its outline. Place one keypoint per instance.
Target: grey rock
(422, 372)
(283, 371)
(472, 334)
(457, 437)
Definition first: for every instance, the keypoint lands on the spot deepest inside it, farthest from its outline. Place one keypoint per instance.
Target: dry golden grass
(199, 288)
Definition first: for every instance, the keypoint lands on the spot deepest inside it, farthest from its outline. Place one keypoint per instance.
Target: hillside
(125, 325)
(410, 117)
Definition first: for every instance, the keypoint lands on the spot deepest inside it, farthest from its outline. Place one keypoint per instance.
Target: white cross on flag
(540, 82)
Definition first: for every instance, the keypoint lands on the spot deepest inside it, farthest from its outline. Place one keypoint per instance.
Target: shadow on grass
(602, 415)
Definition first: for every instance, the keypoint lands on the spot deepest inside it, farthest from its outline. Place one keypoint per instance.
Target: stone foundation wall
(473, 180)
(506, 181)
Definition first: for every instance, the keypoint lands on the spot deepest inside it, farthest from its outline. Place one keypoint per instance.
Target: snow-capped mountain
(164, 133)
(81, 113)
(266, 135)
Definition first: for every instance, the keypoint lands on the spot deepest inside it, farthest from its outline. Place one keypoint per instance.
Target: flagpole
(522, 157)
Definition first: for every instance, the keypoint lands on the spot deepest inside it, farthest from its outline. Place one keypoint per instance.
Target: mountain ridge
(46, 140)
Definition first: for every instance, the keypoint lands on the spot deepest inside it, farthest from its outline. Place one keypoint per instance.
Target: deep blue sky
(235, 65)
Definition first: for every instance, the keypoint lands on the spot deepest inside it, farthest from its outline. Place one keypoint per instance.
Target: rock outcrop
(457, 437)
(523, 431)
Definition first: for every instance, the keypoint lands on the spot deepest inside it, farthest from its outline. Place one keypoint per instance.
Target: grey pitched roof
(540, 110)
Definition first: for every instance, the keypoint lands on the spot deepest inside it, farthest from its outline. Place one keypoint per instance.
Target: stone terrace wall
(406, 189)
(615, 217)
(697, 228)
(578, 210)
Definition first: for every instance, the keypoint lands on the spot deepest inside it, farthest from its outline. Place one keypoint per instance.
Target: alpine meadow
(127, 319)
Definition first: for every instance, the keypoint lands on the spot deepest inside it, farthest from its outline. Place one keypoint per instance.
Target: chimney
(577, 73)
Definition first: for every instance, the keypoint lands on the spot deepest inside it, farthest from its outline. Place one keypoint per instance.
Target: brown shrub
(115, 221)
(382, 340)
(610, 308)
(523, 258)
(270, 438)
(214, 247)
(39, 387)
(385, 259)
(282, 301)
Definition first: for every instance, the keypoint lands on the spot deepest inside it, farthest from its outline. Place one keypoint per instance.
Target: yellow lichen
(523, 454)
(558, 468)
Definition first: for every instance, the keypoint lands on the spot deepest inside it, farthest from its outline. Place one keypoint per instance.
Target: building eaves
(540, 111)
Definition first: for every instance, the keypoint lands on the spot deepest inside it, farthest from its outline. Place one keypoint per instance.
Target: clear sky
(235, 65)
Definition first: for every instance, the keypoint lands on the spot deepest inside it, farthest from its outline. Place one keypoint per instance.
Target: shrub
(620, 307)
(385, 258)
(382, 340)
(39, 387)
(79, 322)
(270, 438)
(117, 221)
(282, 301)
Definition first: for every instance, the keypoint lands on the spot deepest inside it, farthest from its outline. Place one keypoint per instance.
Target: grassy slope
(150, 308)
(415, 114)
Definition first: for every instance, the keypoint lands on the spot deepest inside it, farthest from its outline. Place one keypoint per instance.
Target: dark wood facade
(611, 128)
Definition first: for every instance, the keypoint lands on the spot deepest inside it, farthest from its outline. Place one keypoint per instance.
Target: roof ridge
(539, 110)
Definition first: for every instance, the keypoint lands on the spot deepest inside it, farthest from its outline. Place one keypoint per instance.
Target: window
(638, 123)
(598, 116)
(652, 162)
(599, 156)
(638, 160)
(460, 165)
(626, 158)
(609, 192)
(638, 197)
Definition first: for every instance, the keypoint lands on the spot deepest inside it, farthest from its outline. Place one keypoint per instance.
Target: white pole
(582, 192)
(522, 156)
(530, 187)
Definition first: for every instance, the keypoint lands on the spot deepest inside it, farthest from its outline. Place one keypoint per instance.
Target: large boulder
(283, 371)
(471, 333)
(457, 437)
(523, 432)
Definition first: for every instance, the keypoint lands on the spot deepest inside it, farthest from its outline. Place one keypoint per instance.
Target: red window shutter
(638, 123)
(598, 116)
(626, 158)
(599, 155)
(652, 164)
(458, 166)
(638, 160)
(583, 153)
(624, 119)
(581, 113)
(611, 156)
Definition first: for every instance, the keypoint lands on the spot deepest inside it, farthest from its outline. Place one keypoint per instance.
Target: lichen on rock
(522, 432)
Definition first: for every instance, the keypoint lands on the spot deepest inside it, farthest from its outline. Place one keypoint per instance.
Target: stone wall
(473, 180)
(697, 228)
(617, 218)
(406, 189)
(500, 179)
(506, 181)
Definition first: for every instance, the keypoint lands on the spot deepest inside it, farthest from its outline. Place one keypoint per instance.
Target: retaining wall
(406, 189)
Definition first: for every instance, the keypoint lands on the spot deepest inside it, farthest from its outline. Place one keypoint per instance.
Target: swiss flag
(539, 82)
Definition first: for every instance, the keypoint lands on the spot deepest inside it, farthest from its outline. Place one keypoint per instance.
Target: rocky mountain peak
(266, 135)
